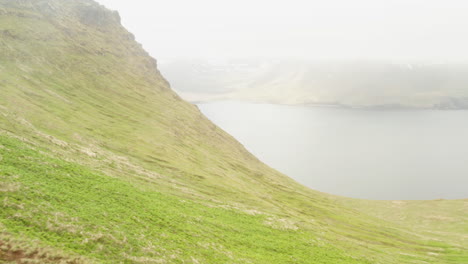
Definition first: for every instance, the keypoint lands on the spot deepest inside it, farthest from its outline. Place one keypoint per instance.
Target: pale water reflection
(410, 154)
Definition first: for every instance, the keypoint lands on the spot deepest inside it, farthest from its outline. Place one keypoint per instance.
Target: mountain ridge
(350, 84)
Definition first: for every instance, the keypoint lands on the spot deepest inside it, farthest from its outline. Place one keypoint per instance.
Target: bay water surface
(370, 154)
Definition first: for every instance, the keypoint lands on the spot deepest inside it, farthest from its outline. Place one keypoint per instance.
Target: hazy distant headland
(354, 84)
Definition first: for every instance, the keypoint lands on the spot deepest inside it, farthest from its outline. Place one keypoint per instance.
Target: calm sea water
(414, 154)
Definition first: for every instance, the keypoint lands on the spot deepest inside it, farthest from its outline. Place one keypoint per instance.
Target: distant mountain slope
(349, 84)
(101, 162)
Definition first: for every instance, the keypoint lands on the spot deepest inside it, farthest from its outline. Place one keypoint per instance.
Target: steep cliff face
(73, 72)
(100, 161)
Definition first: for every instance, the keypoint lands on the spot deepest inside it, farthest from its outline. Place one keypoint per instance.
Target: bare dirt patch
(11, 253)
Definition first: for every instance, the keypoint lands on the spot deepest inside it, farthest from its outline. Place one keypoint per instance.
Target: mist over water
(371, 154)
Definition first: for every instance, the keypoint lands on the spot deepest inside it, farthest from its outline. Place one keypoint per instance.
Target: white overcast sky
(397, 30)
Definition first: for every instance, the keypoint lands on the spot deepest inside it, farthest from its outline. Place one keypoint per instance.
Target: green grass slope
(100, 162)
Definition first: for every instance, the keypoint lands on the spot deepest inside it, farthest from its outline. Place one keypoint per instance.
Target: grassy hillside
(100, 162)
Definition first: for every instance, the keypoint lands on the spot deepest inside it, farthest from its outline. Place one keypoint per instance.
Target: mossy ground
(88, 214)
